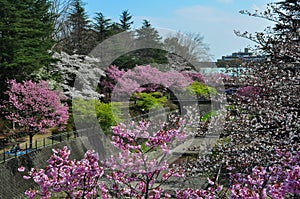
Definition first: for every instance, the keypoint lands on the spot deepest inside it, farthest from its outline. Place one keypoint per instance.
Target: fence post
(36, 145)
(52, 140)
(3, 151)
(26, 147)
(44, 143)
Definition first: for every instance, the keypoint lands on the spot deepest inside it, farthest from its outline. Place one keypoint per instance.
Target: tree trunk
(31, 134)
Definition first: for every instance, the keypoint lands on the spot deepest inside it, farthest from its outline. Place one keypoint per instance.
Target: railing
(40, 143)
(7, 154)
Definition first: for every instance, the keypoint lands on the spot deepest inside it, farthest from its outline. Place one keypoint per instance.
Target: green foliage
(146, 36)
(79, 41)
(26, 29)
(125, 20)
(107, 114)
(201, 90)
(144, 147)
(141, 57)
(208, 115)
(149, 101)
(230, 107)
(101, 26)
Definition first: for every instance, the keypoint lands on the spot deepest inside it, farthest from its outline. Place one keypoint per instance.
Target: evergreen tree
(148, 35)
(148, 42)
(26, 29)
(81, 35)
(114, 29)
(125, 22)
(102, 26)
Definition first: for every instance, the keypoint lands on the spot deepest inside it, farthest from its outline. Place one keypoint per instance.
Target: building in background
(237, 58)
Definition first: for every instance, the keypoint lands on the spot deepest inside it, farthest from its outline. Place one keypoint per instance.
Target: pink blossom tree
(135, 172)
(138, 170)
(279, 180)
(69, 178)
(263, 116)
(141, 168)
(35, 107)
(145, 79)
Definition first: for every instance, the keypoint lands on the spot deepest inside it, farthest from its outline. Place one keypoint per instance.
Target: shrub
(149, 101)
(201, 90)
(108, 115)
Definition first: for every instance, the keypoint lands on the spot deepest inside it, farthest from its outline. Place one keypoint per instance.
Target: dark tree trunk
(31, 134)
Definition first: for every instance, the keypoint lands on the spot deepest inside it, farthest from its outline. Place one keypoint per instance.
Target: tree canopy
(26, 30)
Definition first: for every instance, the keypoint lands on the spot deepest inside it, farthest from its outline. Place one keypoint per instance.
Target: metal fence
(8, 153)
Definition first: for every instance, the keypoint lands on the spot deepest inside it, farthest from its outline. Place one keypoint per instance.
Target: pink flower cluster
(145, 78)
(34, 105)
(139, 170)
(276, 181)
(249, 92)
(76, 179)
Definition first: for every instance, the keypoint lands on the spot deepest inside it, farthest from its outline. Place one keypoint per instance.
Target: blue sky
(215, 20)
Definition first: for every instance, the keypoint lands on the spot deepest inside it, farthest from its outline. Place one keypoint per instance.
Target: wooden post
(44, 143)
(36, 145)
(26, 147)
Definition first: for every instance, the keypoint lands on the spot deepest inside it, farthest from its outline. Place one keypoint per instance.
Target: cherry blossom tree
(139, 171)
(69, 178)
(278, 180)
(144, 79)
(84, 69)
(35, 107)
(140, 168)
(263, 116)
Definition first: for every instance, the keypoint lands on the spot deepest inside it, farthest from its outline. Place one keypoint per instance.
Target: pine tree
(125, 22)
(148, 42)
(148, 35)
(102, 26)
(26, 29)
(81, 36)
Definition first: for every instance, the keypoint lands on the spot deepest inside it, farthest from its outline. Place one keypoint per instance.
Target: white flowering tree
(263, 116)
(84, 69)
